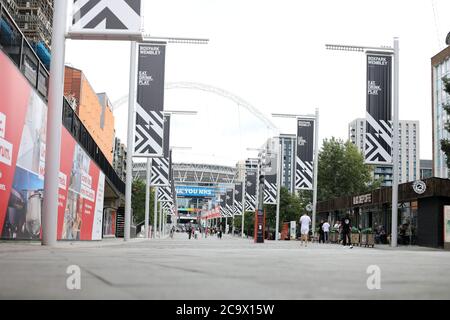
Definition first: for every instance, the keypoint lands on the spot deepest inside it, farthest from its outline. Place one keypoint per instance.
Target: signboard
(259, 227)
(378, 142)
(23, 117)
(293, 230)
(270, 179)
(305, 155)
(447, 227)
(149, 136)
(364, 199)
(112, 18)
(251, 188)
(195, 192)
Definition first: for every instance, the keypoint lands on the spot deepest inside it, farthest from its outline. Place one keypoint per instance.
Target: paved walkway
(231, 268)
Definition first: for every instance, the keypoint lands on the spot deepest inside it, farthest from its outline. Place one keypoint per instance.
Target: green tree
(445, 143)
(342, 171)
(291, 207)
(138, 201)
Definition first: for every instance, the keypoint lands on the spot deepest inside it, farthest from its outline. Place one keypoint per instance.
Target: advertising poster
(230, 202)
(447, 227)
(251, 189)
(270, 179)
(378, 143)
(238, 192)
(23, 116)
(305, 155)
(149, 136)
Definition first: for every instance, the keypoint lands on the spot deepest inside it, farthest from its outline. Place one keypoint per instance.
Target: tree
(342, 171)
(138, 201)
(445, 143)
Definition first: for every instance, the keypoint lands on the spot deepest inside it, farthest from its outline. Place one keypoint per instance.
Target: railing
(19, 50)
(14, 44)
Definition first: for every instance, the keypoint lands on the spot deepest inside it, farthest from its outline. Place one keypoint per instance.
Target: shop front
(421, 208)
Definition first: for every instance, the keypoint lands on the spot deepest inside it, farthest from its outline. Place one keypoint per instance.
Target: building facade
(120, 159)
(94, 110)
(426, 169)
(409, 151)
(34, 18)
(440, 68)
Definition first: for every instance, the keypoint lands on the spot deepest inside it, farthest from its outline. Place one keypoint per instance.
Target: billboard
(195, 192)
(149, 133)
(23, 117)
(378, 142)
(305, 155)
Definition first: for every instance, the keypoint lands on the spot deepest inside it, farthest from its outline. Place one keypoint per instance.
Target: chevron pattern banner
(230, 201)
(378, 138)
(165, 194)
(251, 189)
(238, 199)
(160, 172)
(223, 206)
(270, 178)
(149, 136)
(124, 15)
(304, 168)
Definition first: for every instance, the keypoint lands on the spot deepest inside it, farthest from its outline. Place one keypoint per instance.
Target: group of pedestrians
(197, 232)
(344, 227)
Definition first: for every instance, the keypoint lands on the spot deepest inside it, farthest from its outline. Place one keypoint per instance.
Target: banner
(106, 17)
(23, 119)
(149, 136)
(161, 166)
(305, 155)
(378, 145)
(194, 192)
(230, 202)
(270, 178)
(223, 205)
(165, 194)
(238, 192)
(251, 190)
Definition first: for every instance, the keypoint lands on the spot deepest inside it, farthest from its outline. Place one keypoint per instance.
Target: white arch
(215, 90)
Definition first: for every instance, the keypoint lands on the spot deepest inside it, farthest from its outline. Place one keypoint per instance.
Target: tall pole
(147, 197)
(316, 169)
(279, 172)
(53, 144)
(160, 220)
(130, 140)
(395, 144)
(243, 207)
(155, 213)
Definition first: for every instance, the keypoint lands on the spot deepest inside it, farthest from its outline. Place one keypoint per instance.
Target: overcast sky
(272, 54)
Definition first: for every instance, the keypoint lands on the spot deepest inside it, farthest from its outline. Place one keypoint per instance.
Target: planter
(356, 241)
(368, 240)
(334, 237)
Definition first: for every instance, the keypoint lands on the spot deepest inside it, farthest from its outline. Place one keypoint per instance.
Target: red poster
(14, 97)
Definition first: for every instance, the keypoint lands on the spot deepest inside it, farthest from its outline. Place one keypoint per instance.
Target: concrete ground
(213, 269)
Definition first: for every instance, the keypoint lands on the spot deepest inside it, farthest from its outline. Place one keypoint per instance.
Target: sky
(272, 55)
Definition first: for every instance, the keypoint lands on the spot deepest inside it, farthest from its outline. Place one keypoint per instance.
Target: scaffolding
(34, 18)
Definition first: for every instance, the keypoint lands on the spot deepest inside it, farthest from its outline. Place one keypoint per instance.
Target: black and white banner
(270, 178)
(165, 194)
(305, 155)
(223, 205)
(230, 202)
(149, 136)
(238, 192)
(251, 188)
(107, 15)
(161, 167)
(378, 144)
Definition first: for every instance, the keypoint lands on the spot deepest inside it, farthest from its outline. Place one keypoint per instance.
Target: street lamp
(314, 117)
(395, 139)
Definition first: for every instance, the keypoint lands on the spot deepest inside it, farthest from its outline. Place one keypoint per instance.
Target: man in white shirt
(305, 222)
(326, 231)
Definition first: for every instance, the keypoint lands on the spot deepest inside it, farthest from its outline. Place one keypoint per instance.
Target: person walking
(326, 231)
(346, 231)
(321, 235)
(305, 222)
